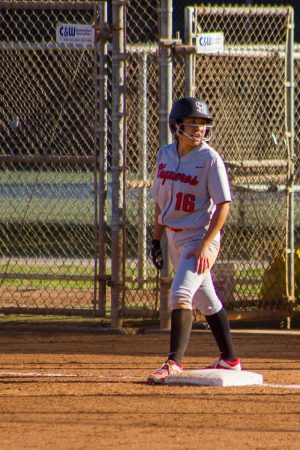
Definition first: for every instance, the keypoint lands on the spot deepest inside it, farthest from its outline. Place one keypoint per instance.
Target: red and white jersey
(188, 188)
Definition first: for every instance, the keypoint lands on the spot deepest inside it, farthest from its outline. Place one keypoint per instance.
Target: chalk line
(114, 377)
(63, 375)
(282, 386)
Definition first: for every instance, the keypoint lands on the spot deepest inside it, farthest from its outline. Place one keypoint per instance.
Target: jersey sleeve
(217, 182)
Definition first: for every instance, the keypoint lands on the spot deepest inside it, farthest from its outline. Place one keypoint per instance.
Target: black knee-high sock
(181, 325)
(219, 325)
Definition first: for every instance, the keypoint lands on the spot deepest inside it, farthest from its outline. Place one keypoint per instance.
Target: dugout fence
(250, 87)
(87, 87)
(53, 114)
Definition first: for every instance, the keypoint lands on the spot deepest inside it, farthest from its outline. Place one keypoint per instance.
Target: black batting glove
(156, 254)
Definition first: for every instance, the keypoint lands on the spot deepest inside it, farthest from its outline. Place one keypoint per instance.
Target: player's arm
(216, 223)
(202, 253)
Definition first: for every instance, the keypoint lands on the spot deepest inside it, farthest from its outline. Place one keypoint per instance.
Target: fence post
(189, 58)
(117, 168)
(101, 158)
(142, 167)
(165, 104)
(289, 92)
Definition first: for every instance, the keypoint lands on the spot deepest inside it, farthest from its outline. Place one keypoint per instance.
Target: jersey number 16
(185, 202)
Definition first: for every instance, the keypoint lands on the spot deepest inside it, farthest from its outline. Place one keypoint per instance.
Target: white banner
(75, 34)
(210, 42)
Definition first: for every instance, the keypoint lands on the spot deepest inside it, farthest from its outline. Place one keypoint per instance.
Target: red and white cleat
(168, 368)
(225, 364)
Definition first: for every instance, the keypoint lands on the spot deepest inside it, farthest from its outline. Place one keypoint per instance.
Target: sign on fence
(75, 34)
(210, 42)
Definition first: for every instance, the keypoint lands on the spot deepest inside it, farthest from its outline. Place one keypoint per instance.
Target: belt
(176, 230)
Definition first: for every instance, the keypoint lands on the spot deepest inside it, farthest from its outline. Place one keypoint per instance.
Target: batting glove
(156, 254)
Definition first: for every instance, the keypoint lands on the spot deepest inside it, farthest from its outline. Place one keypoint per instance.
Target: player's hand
(156, 254)
(201, 255)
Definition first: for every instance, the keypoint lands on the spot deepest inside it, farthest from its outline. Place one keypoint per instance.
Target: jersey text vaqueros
(188, 188)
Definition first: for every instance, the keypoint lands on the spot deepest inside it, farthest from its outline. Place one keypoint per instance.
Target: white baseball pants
(189, 289)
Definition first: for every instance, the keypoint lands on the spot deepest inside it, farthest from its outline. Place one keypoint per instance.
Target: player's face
(195, 129)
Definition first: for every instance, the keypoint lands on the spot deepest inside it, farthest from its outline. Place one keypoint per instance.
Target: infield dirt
(75, 389)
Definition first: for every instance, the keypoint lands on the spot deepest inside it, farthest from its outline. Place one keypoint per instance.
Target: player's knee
(180, 301)
(209, 309)
(180, 305)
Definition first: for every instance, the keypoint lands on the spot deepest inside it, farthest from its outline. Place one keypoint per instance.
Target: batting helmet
(188, 107)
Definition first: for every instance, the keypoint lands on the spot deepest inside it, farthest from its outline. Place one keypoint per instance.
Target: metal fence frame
(116, 52)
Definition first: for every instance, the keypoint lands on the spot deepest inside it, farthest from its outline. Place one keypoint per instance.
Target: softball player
(192, 202)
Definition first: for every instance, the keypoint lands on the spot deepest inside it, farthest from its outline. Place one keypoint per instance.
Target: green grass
(49, 270)
(70, 270)
(67, 322)
(260, 214)
(18, 319)
(249, 273)
(47, 284)
(244, 276)
(247, 288)
(31, 177)
(64, 284)
(21, 209)
(56, 210)
(66, 269)
(47, 210)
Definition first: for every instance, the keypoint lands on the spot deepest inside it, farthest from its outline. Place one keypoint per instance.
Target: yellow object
(274, 279)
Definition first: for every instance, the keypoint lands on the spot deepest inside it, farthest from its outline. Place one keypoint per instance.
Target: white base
(215, 377)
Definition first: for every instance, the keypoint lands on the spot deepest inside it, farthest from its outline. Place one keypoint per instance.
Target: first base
(215, 377)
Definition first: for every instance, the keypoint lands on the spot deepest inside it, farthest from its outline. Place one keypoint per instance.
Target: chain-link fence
(245, 86)
(48, 157)
(297, 173)
(65, 197)
(141, 296)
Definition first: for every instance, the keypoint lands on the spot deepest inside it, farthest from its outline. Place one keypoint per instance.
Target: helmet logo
(199, 107)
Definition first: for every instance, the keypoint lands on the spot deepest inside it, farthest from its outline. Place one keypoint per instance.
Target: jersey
(187, 189)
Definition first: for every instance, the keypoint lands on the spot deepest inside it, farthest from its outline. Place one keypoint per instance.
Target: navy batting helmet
(188, 107)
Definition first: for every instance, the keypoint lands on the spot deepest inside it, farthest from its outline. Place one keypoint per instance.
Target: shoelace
(214, 364)
(165, 366)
